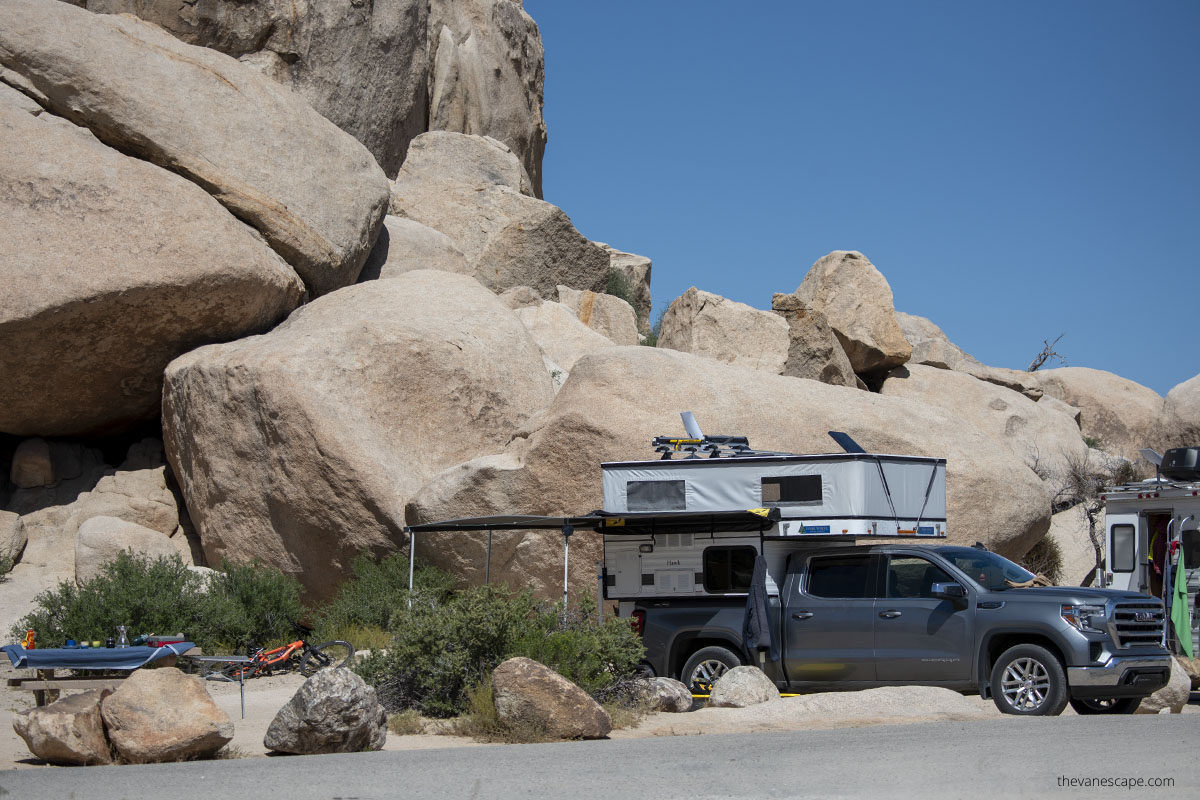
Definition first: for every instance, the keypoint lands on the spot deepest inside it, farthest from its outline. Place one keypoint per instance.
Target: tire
(1028, 680)
(1108, 705)
(329, 654)
(705, 666)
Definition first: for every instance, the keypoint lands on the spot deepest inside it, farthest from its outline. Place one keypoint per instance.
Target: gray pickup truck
(894, 614)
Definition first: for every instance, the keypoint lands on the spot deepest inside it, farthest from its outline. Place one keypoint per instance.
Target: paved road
(994, 758)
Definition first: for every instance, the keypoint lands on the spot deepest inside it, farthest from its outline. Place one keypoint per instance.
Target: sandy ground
(265, 696)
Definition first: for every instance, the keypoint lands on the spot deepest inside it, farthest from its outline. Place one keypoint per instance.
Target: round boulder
(334, 711)
(530, 693)
(741, 687)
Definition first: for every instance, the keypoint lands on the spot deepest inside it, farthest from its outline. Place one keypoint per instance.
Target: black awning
(635, 523)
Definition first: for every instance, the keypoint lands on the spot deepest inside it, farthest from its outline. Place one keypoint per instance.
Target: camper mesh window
(728, 569)
(839, 577)
(1191, 548)
(1122, 549)
(790, 489)
(655, 496)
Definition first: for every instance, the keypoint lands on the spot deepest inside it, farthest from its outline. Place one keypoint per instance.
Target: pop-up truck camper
(722, 555)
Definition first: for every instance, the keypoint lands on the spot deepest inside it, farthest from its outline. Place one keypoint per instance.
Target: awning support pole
(487, 569)
(600, 592)
(412, 551)
(567, 530)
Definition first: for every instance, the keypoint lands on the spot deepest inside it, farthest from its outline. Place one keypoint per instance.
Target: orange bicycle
(300, 653)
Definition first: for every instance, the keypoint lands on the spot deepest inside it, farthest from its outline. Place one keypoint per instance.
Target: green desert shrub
(444, 649)
(619, 286)
(364, 603)
(250, 604)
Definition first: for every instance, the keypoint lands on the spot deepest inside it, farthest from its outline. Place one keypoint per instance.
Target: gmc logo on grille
(1143, 616)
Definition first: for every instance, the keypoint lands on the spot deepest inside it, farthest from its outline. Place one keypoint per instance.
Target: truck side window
(728, 569)
(910, 576)
(1121, 557)
(789, 489)
(655, 496)
(839, 576)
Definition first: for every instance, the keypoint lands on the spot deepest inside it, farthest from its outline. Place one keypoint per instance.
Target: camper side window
(1191, 549)
(790, 489)
(655, 496)
(728, 569)
(1121, 557)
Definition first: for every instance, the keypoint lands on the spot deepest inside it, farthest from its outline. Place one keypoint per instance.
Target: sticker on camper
(814, 529)
(926, 531)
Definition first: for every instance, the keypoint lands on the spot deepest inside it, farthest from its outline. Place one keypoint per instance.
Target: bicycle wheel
(329, 654)
(235, 672)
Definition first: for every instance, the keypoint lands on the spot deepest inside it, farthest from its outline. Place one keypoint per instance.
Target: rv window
(655, 496)
(789, 489)
(728, 569)
(840, 577)
(1121, 558)
(1191, 549)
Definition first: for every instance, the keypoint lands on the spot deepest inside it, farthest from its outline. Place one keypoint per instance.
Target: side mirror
(949, 591)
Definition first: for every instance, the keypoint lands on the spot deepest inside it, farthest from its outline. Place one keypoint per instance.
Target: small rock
(741, 687)
(69, 731)
(334, 711)
(160, 715)
(526, 691)
(1171, 698)
(666, 694)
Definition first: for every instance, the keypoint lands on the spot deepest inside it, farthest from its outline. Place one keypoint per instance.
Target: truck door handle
(892, 614)
(802, 615)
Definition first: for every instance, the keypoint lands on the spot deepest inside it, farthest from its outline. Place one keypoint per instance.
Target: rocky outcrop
(1181, 415)
(301, 447)
(334, 711)
(617, 400)
(12, 537)
(1043, 438)
(1069, 530)
(741, 687)
(112, 267)
(610, 316)
(101, 539)
(69, 731)
(469, 188)
(635, 270)
(360, 65)
(161, 715)
(486, 76)
(1121, 415)
(559, 333)
(219, 123)
(814, 352)
(856, 299)
(404, 245)
(931, 346)
(528, 693)
(708, 325)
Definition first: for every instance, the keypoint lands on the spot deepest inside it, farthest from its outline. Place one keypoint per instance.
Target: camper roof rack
(706, 446)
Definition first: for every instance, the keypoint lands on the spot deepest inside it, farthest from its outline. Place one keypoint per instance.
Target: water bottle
(122, 638)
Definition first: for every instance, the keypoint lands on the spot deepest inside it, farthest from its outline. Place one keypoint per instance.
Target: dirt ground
(266, 695)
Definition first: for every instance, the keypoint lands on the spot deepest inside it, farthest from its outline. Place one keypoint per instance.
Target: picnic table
(46, 661)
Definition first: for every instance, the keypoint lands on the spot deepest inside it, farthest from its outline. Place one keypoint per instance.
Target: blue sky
(1016, 170)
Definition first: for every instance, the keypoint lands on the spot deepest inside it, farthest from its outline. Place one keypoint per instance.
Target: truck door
(829, 620)
(919, 637)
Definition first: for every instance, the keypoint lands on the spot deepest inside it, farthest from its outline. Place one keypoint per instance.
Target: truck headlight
(1085, 617)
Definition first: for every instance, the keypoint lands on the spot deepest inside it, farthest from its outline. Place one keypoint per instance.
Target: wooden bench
(47, 687)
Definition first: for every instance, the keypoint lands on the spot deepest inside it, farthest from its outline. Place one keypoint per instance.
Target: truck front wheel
(1029, 680)
(707, 665)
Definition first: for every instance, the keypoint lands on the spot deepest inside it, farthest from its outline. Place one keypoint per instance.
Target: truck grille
(1137, 623)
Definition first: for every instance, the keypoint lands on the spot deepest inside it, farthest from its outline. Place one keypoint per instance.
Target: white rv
(1151, 524)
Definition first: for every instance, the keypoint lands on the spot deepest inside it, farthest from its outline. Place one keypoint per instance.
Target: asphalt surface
(1008, 757)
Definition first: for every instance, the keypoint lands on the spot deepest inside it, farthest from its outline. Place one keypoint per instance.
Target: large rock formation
(618, 399)
(405, 245)
(1181, 415)
(635, 271)
(1043, 438)
(111, 268)
(101, 539)
(486, 72)
(529, 693)
(69, 731)
(855, 298)
(814, 352)
(212, 119)
(1069, 531)
(560, 334)
(161, 715)
(334, 711)
(609, 316)
(360, 65)
(302, 446)
(708, 325)
(1122, 415)
(931, 346)
(470, 188)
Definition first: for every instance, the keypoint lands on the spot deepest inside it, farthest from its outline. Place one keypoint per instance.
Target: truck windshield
(989, 570)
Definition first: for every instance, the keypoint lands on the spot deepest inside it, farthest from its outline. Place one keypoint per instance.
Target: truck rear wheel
(707, 665)
(1029, 680)
(1110, 705)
